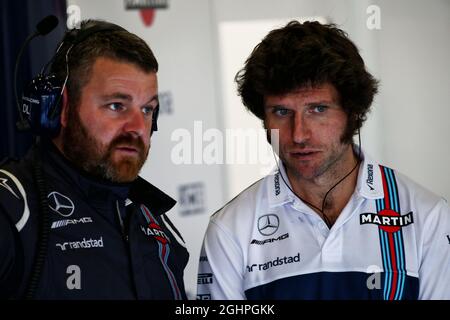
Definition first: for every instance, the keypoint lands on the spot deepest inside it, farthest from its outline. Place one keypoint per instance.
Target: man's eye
(147, 110)
(320, 108)
(281, 112)
(115, 106)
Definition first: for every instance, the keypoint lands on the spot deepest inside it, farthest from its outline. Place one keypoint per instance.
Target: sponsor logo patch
(155, 230)
(60, 204)
(270, 240)
(4, 184)
(278, 261)
(83, 244)
(388, 220)
(277, 184)
(205, 278)
(369, 179)
(66, 222)
(268, 224)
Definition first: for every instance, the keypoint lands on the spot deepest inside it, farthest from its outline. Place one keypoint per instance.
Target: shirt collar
(156, 200)
(278, 187)
(369, 185)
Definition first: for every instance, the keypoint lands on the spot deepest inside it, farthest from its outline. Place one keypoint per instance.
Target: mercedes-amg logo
(268, 224)
(60, 204)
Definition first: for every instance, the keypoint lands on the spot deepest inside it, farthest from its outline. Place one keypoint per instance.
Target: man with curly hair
(329, 222)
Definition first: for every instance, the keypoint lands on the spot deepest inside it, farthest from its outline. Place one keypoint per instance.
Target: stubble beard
(329, 168)
(96, 158)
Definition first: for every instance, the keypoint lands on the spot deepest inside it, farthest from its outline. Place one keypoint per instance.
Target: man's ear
(64, 108)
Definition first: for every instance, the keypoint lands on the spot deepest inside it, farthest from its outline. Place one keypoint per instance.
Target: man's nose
(301, 129)
(136, 123)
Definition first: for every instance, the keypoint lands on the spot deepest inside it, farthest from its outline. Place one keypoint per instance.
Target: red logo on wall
(146, 9)
(147, 16)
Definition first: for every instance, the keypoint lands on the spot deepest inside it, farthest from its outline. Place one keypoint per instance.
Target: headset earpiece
(41, 105)
(155, 120)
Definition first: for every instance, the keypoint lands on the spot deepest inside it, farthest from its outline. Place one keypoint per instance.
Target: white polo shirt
(391, 241)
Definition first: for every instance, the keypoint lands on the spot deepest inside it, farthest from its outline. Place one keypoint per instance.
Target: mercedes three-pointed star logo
(268, 224)
(60, 204)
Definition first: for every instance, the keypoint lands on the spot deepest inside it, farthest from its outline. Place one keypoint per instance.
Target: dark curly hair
(117, 44)
(308, 54)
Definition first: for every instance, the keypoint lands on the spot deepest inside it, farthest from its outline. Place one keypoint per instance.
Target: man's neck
(315, 190)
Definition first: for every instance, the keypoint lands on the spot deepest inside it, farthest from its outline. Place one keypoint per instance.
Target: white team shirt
(391, 241)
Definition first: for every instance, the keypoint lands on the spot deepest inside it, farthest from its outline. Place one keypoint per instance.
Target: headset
(41, 100)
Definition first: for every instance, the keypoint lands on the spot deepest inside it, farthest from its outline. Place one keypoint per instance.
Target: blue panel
(328, 286)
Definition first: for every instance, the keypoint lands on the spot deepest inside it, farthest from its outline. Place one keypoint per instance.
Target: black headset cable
(44, 225)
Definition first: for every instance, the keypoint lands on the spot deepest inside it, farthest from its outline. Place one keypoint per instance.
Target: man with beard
(329, 222)
(76, 220)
